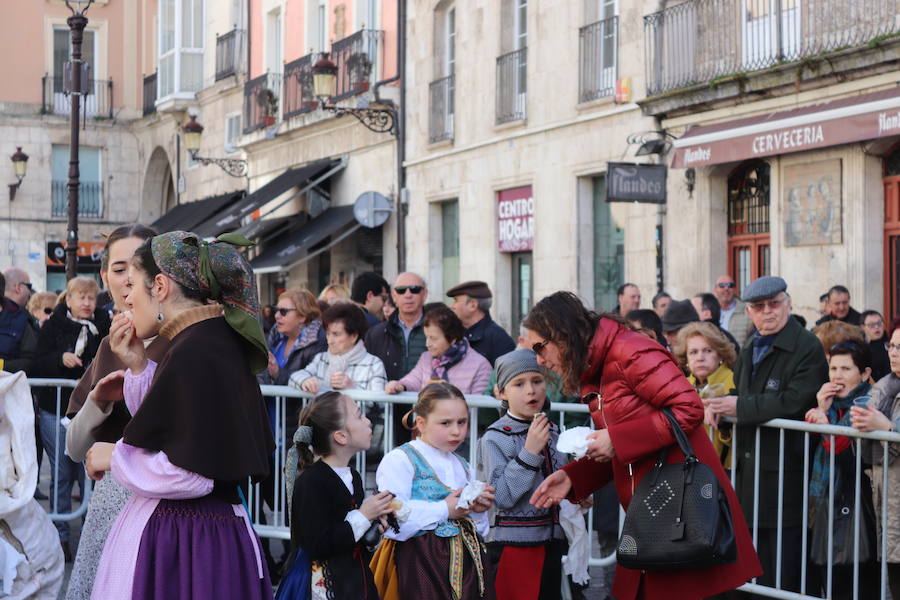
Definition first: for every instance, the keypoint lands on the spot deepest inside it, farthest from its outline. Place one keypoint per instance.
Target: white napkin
(571, 518)
(401, 509)
(574, 441)
(9, 564)
(469, 493)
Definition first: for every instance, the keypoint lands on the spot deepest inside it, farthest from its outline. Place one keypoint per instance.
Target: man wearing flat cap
(778, 372)
(472, 304)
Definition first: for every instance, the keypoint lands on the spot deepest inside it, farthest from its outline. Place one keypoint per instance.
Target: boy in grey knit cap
(515, 454)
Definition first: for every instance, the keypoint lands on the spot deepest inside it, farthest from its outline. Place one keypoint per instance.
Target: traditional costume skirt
(199, 549)
(423, 570)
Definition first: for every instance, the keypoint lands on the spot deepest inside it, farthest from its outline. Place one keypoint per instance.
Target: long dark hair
(325, 415)
(142, 232)
(563, 319)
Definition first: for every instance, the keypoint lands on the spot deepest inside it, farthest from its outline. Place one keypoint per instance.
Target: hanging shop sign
(515, 220)
(631, 182)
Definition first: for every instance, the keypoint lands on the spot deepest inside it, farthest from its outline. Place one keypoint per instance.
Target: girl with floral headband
(199, 427)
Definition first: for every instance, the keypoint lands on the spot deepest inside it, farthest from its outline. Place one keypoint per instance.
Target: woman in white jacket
(31, 559)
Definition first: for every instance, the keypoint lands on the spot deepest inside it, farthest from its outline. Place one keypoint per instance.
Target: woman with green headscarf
(199, 428)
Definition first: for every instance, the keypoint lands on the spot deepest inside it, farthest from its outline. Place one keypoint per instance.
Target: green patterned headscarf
(218, 268)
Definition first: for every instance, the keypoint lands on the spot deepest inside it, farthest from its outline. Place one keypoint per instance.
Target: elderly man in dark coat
(472, 304)
(778, 372)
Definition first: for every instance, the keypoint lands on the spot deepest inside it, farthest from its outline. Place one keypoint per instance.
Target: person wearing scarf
(849, 371)
(449, 357)
(67, 343)
(199, 429)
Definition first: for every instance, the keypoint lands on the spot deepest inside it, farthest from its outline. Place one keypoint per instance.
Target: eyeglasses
(402, 289)
(48, 310)
(27, 284)
(772, 303)
(539, 347)
(729, 284)
(874, 324)
(852, 346)
(284, 311)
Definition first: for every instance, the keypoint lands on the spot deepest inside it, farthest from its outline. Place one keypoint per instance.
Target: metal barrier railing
(274, 522)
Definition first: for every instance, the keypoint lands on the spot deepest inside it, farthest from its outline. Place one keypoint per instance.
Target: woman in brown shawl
(199, 427)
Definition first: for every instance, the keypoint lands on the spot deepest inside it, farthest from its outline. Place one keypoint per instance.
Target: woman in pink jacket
(449, 357)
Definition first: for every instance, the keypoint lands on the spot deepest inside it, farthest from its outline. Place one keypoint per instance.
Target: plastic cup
(863, 401)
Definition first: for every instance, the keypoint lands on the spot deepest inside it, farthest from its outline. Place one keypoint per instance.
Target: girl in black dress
(329, 515)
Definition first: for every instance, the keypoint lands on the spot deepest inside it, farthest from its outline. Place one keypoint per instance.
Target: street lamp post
(379, 120)
(236, 167)
(20, 167)
(77, 22)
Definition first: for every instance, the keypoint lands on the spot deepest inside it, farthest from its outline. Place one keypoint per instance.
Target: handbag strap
(680, 437)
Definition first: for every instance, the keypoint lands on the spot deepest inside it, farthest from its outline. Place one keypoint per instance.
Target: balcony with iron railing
(703, 41)
(299, 95)
(95, 102)
(357, 58)
(262, 101)
(90, 199)
(512, 76)
(229, 53)
(150, 94)
(441, 107)
(599, 49)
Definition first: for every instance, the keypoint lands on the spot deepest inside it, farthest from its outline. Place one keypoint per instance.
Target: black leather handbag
(679, 516)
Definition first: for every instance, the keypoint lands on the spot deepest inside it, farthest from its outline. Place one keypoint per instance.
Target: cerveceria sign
(631, 182)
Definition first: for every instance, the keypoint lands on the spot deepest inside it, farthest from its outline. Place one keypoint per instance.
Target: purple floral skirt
(199, 549)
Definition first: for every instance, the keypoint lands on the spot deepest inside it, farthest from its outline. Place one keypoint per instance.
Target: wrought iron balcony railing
(357, 58)
(512, 76)
(299, 95)
(150, 94)
(701, 40)
(599, 49)
(262, 101)
(440, 122)
(90, 199)
(95, 102)
(229, 53)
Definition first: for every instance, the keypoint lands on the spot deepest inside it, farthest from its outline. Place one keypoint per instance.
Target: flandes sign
(632, 182)
(839, 122)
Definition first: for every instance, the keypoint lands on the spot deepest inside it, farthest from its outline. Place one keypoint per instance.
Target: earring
(159, 317)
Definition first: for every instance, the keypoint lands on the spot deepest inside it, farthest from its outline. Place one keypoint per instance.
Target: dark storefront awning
(292, 246)
(842, 121)
(305, 176)
(188, 216)
(261, 229)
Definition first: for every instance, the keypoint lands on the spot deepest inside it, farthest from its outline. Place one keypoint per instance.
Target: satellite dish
(372, 209)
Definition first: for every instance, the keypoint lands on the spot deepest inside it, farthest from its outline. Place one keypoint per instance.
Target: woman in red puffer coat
(627, 378)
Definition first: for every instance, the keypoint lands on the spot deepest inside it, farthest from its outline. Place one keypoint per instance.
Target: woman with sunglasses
(882, 413)
(296, 338)
(847, 385)
(627, 379)
(40, 306)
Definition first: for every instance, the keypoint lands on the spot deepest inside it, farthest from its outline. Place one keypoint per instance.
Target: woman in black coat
(67, 343)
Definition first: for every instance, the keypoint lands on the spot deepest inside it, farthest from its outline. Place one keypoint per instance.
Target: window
(322, 26)
(273, 42)
(90, 190)
(766, 41)
(180, 47)
(449, 243)
(443, 85)
(892, 235)
(512, 65)
(609, 249)
(599, 50)
(748, 223)
(232, 131)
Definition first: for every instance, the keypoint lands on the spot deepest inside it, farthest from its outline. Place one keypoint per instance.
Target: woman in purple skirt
(199, 428)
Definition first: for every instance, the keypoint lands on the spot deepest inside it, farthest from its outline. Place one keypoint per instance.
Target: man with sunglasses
(472, 304)
(18, 331)
(733, 316)
(778, 373)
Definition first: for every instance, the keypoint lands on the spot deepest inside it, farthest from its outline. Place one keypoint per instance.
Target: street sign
(372, 209)
(632, 182)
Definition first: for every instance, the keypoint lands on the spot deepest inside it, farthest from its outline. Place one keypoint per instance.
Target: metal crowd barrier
(272, 521)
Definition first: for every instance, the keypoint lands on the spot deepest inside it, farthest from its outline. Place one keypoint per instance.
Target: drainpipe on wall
(660, 208)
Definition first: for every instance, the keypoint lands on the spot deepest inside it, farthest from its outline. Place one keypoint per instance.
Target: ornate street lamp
(379, 120)
(20, 166)
(235, 167)
(76, 69)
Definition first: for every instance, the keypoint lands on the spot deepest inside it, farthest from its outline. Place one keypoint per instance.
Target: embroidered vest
(426, 486)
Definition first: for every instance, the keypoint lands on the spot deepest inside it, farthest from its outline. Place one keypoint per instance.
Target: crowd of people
(156, 412)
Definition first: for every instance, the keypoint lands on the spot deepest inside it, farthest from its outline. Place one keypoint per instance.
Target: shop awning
(851, 119)
(305, 177)
(292, 247)
(260, 229)
(188, 216)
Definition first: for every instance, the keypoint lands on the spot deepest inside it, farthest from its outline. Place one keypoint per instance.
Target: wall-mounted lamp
(236, 167)
(379, 120)
(690, 178)
(20, 166)
(651, 142)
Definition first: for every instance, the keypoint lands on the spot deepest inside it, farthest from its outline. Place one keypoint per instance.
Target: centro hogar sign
(515, 220)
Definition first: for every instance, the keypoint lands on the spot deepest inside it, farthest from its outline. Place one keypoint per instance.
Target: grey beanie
(515, 363)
